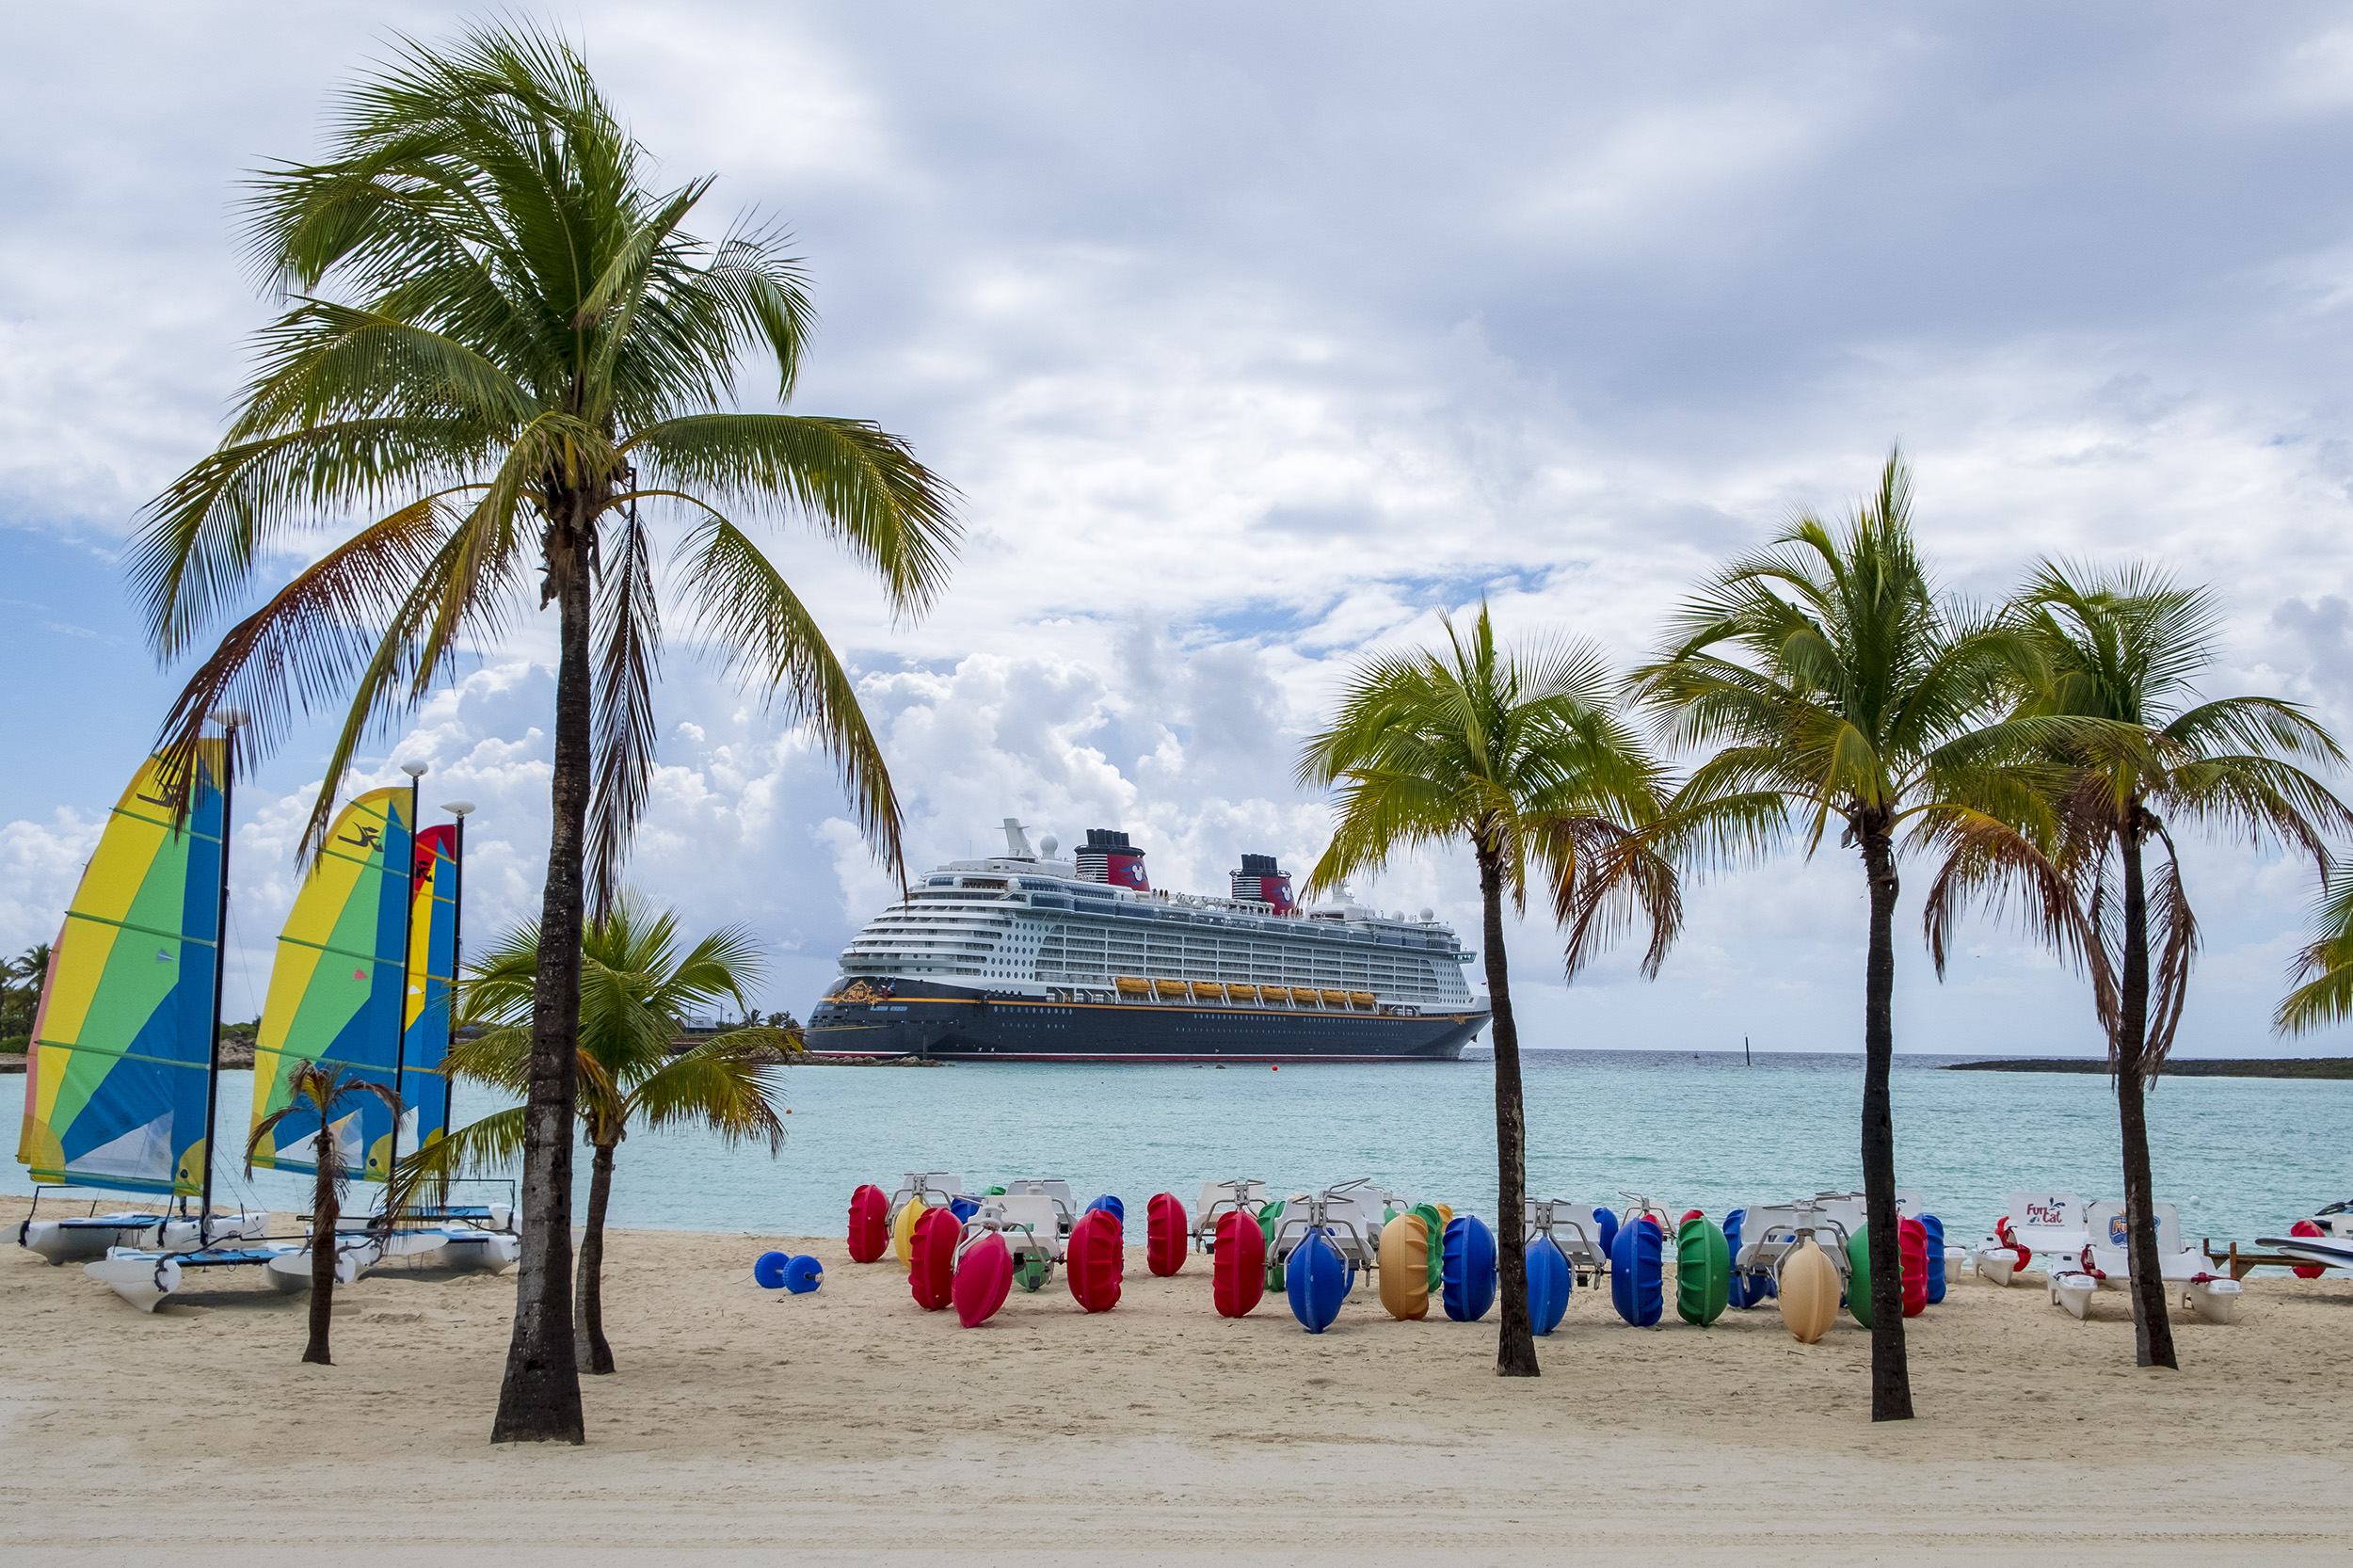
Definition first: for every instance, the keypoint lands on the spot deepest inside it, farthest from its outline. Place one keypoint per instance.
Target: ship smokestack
(1261, 880)
(1108, 857)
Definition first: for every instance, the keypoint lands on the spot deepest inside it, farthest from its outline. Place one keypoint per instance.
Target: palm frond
(744, 607)
(628, 634)
(853, 481)
(2321, 977)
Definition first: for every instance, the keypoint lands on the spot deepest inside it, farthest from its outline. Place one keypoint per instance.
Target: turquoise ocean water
(2240, 1156)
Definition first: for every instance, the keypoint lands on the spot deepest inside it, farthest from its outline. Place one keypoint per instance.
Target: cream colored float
(1809, 1290)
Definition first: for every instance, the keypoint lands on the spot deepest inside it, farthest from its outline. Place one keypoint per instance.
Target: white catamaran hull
(291, 1273)
(482, 1251)
(143, 1281)
(62, 1241)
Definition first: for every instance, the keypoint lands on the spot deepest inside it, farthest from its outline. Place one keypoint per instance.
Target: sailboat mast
(461, 809)
(229, 719)
(407, 945)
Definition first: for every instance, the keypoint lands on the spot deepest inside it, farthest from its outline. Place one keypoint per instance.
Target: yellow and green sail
(120, 1072)
(336, 993)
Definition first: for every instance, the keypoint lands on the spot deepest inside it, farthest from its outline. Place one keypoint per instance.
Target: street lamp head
(230, 718)
(459, 808)
(415, 770)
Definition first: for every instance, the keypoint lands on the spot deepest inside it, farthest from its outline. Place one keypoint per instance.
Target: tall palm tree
(2127, 649)
(637, 993)
(500, 341)
(1827, 671)
(1519, 753)
(2321, 990)
(318, 1092)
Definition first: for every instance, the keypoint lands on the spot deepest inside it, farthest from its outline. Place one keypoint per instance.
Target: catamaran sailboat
(120, 1073)
(121, 1077)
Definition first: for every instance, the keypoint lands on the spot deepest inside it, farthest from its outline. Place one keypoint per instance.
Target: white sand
(849, 1426)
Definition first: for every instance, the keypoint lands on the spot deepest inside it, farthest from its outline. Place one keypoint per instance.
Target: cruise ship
(1024, 956)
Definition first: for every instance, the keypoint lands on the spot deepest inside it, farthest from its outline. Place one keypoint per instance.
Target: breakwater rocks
(2180, 1066)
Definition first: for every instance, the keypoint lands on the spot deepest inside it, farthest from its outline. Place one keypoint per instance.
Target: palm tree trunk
(2152, 1331)
(1516, 1344)
(595, 1354)
(326, 1215)
(1891, 1374)
(540, 1399)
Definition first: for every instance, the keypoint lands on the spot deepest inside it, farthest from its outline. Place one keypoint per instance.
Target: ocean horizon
(2240, 1157)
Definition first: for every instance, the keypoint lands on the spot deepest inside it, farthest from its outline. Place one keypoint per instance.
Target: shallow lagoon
(2240, 1156)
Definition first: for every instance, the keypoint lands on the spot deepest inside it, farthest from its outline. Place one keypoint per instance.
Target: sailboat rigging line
(220, 967)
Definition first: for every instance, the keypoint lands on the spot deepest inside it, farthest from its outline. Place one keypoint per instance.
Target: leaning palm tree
(637, 993)
(504, 349)
(1517, 753)
(1825, 670)
(2321, 978)
(319, 1091)
(2127, 649)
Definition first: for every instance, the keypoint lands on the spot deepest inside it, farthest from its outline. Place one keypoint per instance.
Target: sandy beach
(850, 1426)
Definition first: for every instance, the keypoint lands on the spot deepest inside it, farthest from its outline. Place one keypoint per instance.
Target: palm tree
(500, 343)
(318, 1092)
(1519, 753)
(21, 982)
(2127, 649)
(2322, 975)
(1825, 670)
(637, 992)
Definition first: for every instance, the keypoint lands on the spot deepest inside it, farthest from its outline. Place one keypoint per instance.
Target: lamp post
(230, 720)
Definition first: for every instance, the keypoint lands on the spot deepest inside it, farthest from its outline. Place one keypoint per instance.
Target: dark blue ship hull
(949, 1023)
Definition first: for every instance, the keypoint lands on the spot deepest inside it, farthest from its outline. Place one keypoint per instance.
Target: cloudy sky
(1255, 338)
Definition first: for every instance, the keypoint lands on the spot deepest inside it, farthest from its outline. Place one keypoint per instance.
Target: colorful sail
(119, 1074)
(335, 992)
(432, 955)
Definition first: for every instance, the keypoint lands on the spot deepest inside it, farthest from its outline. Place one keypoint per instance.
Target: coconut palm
(319, 1091)
(637, 992)
(1825, 670)
(1517, 753)
(2322, 975)
(505, 350)
(21, 982)
(2127, 649)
